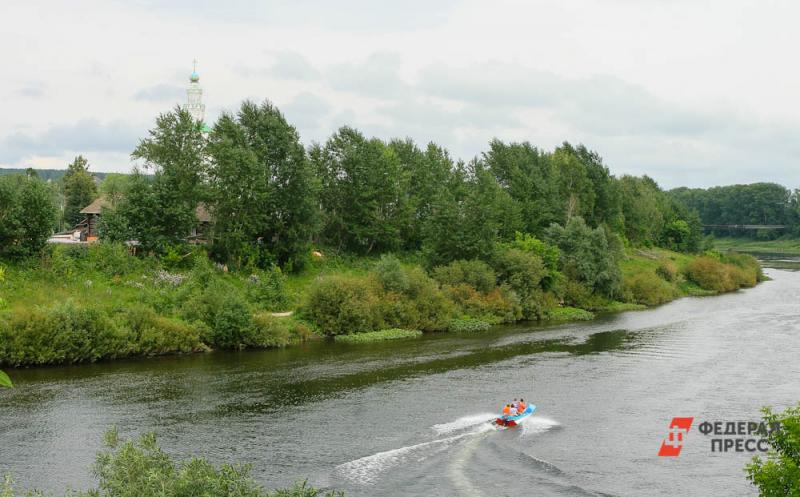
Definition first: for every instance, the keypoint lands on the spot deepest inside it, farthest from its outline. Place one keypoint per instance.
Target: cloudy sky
(690, 92)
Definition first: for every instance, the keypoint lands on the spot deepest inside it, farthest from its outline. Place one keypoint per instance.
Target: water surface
(409, 418)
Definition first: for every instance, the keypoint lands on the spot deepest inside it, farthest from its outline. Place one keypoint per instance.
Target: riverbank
(781, 246)
(99, 303)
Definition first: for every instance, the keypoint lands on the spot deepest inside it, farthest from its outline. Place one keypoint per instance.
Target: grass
(378, 336)
(616, 306)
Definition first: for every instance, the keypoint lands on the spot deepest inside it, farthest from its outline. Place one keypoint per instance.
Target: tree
(150, 213)
(470, 217)
(263, 188)
(79, 190)
(114, 186)
(588, 256)
(779, 474)
(160, 211)
(362, 193)
(27, 215)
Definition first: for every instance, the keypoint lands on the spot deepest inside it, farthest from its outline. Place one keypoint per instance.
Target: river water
(410, 418)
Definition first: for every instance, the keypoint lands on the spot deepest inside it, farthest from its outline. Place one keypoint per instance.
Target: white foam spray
(366, 470)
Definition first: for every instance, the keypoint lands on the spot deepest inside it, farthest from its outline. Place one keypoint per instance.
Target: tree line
(755, 204)
(272, 199)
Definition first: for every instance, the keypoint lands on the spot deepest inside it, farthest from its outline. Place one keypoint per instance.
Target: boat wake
(538, 424)
(367, 470)
(463, 423)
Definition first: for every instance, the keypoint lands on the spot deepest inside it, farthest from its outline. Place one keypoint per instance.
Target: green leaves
(5, 381)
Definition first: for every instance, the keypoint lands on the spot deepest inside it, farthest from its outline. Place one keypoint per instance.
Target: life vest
(522, 407)
(506, 410)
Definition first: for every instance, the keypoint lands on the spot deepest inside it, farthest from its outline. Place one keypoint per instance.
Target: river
(410, 418)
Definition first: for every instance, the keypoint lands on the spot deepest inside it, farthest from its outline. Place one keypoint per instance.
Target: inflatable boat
(509, 421)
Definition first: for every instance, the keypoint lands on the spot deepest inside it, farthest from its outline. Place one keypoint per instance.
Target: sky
(690, 92)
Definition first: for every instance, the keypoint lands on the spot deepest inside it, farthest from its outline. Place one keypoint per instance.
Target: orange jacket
(522, 407)
(506, 410)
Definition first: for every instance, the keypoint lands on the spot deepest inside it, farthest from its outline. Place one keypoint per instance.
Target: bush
(667, 271)
(343, 304)
(710, 274)
(378, 336)
(61, 334)
(140, 468)
(152, 334)
(474, 273)
(569, 314)
(271, 331)
(226, 313)
(266, 288)
(468, 325)
(647, 288)
(500, 305)
(390, 274)
(522, 271)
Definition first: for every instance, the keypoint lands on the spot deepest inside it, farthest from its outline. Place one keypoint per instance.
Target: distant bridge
(746, 226)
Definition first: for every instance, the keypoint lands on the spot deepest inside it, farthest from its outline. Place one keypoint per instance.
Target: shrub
(500, 305)
(266, 288)
(152, 334)
(474, 273)
(140, 468)
(226, 313)
(343, 304)
(569, 314)
(378, 336)
(468, 325)
(667, 271)
(64, 333)
(522, 271)
(647, 288)
(390, 274)
(270, 331)
(710, 274)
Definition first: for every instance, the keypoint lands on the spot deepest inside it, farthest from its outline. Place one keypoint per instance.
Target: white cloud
(688, 92)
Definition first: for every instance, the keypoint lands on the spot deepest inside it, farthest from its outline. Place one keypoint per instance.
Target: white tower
(194, 94)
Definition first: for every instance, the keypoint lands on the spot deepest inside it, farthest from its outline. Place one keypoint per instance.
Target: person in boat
(522, 406)
(513, 411)
(507, 411)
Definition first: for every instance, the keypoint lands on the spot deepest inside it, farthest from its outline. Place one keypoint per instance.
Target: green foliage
(389, 272)
(362, 197)
(648, 289)
(567, 313)
(475, 273)
(152, 334)
(65, 333)
(523, 272)
(667, 271)
(341, 305)
(5, 381)
(267, 288)
(27, 215)
(778, 475)
(469, 218)
(226, 313)
(710, 274)
(589, 256)
(79, 190)
(757, 203)
(468, 325)
(263, 189)
(378, 336)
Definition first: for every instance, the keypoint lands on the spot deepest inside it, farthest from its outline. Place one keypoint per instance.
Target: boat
(510, 421)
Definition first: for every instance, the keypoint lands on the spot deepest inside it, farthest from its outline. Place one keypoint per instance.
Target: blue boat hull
(509, 421)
